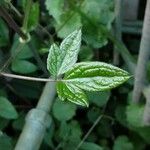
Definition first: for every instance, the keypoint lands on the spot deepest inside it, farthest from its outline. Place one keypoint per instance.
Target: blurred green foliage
(120, 127)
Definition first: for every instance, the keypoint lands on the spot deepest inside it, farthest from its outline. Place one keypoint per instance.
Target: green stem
(27, 13)
(37, 121)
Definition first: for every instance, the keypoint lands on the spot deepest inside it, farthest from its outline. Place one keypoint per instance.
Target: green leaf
(70, 134)
(48, 139)
(103, 13)
(105, 128)
(7, 110)
(99, 98)
(5, 142)
(55, 8)
(86, 54)
(54, 60)
(68, 23)
(120, 114)
(23, 52)
(33, 16)
(63, 132)
(3, 123)
(90, 146)
(63, 111)
(93, 113)
(19, 122)
(144, 132)
(71, 93)
(93, 36)
(2, 2)
(4, 38)
(95, 76)
(23, 66)
(70, 47)
(61, 60)
(123, 143)
(135, 115)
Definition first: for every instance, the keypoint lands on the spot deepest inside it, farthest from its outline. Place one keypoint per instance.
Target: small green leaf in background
(90, 146)
(23, 66)
(5, 142)
(55, 8)
(63, 111)
(7, 110)
(65, 18)
(123, 143)
(86, 54)
(96, 76)
(2, 2)
(23, 53)
(94, 36)
(71, 93)
(33, 16)
(3, 123)
(65, 57)
(93, 113)
(4, 32)
(120, 114)
(71, 24)
(70, 134)
(99, 98)
(97, 12)
(19, 122)
(49, 135)
(105, 128)
(134, 115)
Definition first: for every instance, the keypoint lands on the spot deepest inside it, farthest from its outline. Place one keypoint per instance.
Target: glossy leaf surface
(72, 93)
(53, 60)
(60, 60)
(70, 47)
(96, 76)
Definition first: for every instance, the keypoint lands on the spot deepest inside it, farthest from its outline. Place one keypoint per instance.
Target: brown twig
(12, 23)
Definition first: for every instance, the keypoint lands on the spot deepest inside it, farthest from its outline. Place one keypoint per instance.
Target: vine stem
(26, 77)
